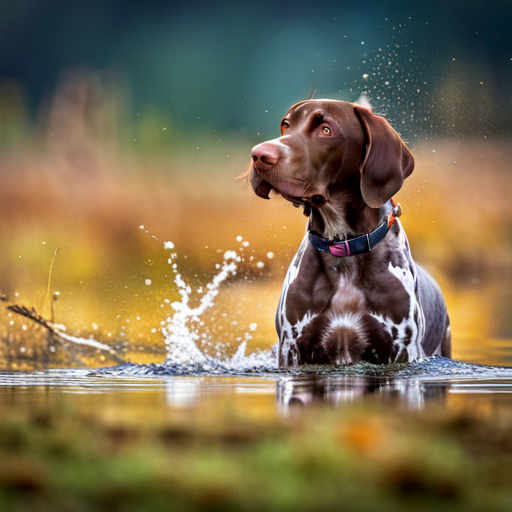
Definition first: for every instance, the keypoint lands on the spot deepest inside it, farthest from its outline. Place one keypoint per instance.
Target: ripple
(436, 368)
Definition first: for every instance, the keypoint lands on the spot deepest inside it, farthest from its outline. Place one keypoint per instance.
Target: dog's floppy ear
(387, 162)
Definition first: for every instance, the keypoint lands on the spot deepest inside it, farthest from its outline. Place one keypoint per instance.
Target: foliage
(358, 458)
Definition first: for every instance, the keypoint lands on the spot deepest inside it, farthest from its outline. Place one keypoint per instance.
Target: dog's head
(329, 145)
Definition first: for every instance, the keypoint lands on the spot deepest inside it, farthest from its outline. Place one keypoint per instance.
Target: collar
(359, 244)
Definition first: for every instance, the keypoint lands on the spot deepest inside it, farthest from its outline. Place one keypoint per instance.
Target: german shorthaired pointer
(352, 292)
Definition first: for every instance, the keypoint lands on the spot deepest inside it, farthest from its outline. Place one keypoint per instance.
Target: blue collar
(359, 244)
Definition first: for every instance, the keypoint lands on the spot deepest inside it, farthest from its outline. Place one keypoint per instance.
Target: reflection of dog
(337, 389)
(352, 292)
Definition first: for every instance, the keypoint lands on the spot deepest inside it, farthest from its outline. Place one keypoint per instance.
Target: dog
(352, 292)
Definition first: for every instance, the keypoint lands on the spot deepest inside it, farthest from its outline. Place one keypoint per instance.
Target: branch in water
(32, 314)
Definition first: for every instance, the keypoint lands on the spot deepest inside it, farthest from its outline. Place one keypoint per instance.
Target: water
(198, 371)
(185, 332)
(414, 386)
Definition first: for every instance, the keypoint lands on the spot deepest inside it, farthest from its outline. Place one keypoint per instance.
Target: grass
(358, 458)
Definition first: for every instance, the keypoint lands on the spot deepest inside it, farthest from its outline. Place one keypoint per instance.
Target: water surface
(414, 386)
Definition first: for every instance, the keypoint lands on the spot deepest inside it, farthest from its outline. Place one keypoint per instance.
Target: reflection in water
(183, 393)
(296, 390)
(410, 385)
(406, 386)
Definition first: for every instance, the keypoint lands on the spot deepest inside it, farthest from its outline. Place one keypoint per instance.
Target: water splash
(398, 82)
(182, 329)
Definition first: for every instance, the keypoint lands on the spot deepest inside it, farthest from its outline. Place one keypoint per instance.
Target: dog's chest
(381, 309)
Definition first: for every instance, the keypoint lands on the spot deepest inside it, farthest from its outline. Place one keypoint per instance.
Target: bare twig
(32, 314)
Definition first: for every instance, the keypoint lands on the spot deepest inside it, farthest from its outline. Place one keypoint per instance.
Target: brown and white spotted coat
(342, 164)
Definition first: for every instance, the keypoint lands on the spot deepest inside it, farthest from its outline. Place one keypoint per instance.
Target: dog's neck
(345, 215)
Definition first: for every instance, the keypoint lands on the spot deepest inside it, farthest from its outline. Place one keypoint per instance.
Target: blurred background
(121, 114)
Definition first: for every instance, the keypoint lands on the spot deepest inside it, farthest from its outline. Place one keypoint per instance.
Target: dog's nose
(265, 156)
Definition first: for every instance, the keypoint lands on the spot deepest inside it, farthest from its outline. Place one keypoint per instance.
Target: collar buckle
(395, 212)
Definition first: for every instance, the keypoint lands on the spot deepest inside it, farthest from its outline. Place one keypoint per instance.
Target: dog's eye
(326, 130)
(284, 124)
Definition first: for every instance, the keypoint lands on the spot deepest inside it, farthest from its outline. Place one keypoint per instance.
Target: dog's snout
(265, 156)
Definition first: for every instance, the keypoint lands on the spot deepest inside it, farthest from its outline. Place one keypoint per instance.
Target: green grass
(356, 458)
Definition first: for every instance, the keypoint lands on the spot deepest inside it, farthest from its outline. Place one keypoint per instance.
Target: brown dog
(352, 292)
